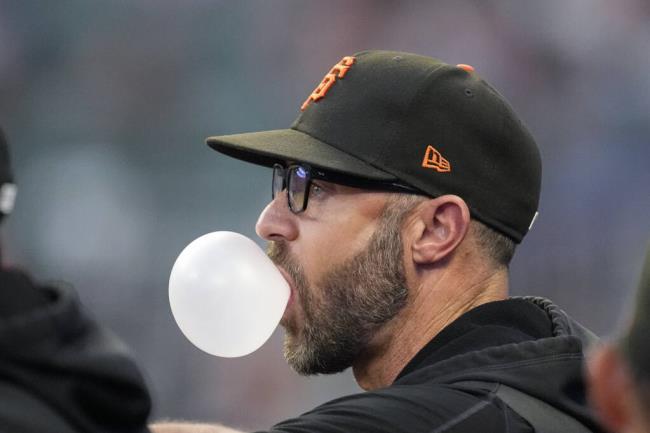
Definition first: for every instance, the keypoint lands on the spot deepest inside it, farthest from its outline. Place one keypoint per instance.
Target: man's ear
(439, 226)
(610, 388)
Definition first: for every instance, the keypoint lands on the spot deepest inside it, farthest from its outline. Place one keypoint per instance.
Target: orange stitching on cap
(338, 71)
(433, 159)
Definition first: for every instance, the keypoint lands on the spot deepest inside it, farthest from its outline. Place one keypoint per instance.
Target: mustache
(278, 252)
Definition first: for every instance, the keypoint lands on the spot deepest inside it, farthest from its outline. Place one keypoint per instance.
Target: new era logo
(433, 159)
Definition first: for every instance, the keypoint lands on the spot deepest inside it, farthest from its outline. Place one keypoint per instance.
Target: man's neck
(429, 311)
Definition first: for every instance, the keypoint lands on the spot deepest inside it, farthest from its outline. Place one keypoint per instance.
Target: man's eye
(316, 190)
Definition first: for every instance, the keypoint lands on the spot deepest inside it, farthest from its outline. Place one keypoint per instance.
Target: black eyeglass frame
(333, 177)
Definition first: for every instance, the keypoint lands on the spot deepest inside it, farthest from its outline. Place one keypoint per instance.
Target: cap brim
(279, 146)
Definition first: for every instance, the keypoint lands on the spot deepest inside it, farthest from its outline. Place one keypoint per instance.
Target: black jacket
(60, 371)
(527, 344)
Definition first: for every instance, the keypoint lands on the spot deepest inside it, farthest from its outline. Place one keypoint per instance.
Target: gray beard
(358, 297)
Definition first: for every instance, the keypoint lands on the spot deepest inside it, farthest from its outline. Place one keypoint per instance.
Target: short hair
(497, 247)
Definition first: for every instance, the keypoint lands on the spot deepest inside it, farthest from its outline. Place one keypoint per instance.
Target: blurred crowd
(107, 105)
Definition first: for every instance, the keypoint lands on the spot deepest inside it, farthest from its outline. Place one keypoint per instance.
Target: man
(59, 370)
(620, 371)
(399, 194)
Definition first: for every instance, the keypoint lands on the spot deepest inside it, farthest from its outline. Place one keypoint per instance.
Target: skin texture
(336, 245)
(615, 393)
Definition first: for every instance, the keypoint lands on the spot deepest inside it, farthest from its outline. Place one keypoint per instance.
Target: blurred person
(619, 372)
(60, 371)
(399, 195)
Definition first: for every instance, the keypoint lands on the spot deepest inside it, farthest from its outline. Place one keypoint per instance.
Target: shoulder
(24, 412)
(404, 408)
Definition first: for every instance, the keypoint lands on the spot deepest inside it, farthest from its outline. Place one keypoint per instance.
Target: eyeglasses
(296, 179)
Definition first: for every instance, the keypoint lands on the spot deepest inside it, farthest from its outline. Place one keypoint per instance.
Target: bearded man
(399, 194)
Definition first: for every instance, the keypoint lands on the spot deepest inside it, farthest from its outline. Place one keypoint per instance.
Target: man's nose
(277, 222)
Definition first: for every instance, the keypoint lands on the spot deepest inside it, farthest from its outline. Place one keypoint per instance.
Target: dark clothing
(524, 343)
(60, 371)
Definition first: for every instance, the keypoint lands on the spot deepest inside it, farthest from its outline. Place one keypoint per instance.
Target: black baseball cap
(394, 116)
(7, 186)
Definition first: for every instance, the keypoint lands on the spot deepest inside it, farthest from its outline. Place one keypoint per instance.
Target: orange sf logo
(338, 71)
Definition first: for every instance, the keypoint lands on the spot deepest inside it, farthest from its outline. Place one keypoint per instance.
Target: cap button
(465, 67)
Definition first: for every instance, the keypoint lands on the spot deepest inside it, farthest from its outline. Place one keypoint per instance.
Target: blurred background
(107, 105)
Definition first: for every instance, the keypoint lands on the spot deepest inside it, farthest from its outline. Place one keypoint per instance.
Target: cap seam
(416, 94)
(426, 80)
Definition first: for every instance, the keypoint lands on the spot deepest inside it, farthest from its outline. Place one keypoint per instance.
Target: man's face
(343, 259)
